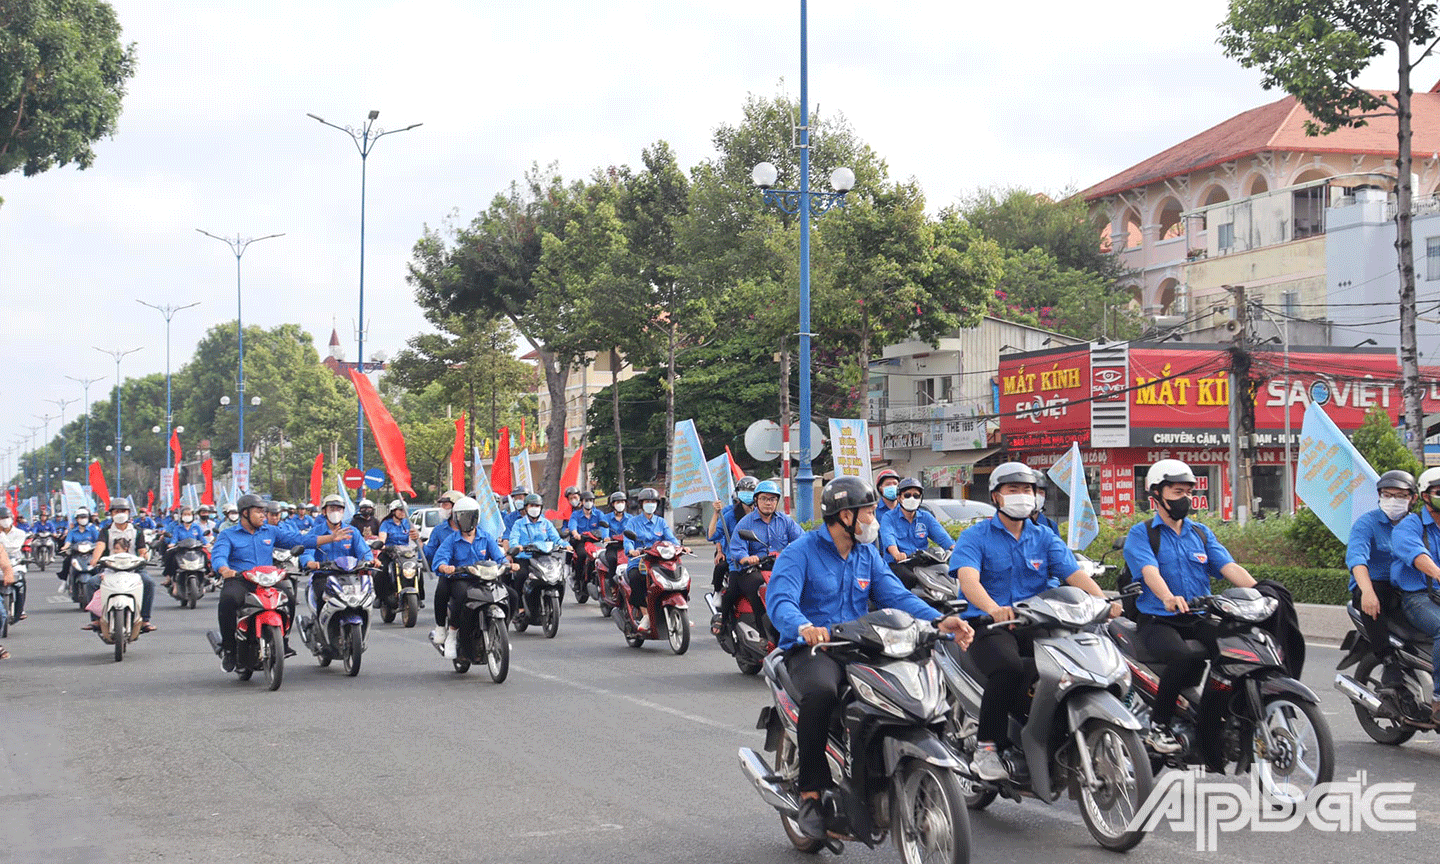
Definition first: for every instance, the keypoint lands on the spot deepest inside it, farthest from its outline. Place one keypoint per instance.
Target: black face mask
(1177, 509)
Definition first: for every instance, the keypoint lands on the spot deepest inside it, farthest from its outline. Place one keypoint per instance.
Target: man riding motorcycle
(531, 527)
(614, 523)
(1188, 559)
(396, 530)
(1415, 545)
(185, 530)
(325, 552)
(1040, 518)
(649, 529)
(1369, 559)
(364, 520)
(907, 529)
(122, 535)
(81, 531)
(446, 502)
(12, 539)
(723, 522)
(517, 508)
(464, 546)
(776, 531)
(1007, 560)
(249, 545)
(584, 519)
(887, 487)
(827, 577)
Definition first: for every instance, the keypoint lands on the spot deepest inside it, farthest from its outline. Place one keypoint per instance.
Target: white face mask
(1394, 508)
(334, 517)
(187, 519)
(619, 506)
(588, 505)
(1039, 500)
(6, 523)
(1017, 506)
(649, 507)
(533, 511)
(868, 532)
(910, 504)
(82, 521)
(121, 517)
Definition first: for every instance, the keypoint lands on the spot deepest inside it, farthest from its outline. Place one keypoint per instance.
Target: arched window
(1257, 186)
(1168, 218)
(1165, 296)
(1133, 236)
(1102, 227)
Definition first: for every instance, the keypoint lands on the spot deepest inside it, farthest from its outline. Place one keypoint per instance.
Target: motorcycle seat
(775, 669)
(966, 662)
(1126, 635)
(1395, 621)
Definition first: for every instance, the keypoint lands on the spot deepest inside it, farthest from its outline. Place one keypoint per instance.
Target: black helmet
(248, 500)
(519, 492)
(846, 493)
(119, 504)
(533, 498)
(4, 512)
(587, 495)
(272, 507)
(747, 483)
(571, 490)
(648, 494)
(910, 483)
(617, 496)
(1396, 480)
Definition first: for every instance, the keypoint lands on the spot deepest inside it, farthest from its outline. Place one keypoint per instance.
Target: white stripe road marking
(634, 700)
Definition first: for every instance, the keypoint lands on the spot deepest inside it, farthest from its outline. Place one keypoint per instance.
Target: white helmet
(82, 511)
(1013, 472)
(337, 500)
(466, 513)
(1168, 471)
(1431, 477)
(397, 504)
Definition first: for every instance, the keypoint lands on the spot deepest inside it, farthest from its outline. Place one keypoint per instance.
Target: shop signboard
(1044, 399)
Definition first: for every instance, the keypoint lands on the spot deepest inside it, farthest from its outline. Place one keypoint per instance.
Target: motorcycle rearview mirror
(1119, 543)
(1132, 590)
(630, 535)
(747, 534)
(296, 550)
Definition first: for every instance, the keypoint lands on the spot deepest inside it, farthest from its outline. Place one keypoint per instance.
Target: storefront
(1130, 405)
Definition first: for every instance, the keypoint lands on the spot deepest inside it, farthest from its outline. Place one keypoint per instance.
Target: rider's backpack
(1125, 578)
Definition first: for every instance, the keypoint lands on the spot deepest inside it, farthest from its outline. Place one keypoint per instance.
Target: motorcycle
(1272, 723)
(120, 594)
(667, 598)
(933, 582)
(155, 545)
(80, 571)
(893, 771)
(544, 580)
(483, 637)
(10, 598)
(1079, 736)
(401, 590)
(260, 627)
(692, 527)
(750, 638)
(340, 620)
(189, 582)
(42, 549)
(1389, 717)
(602, 585)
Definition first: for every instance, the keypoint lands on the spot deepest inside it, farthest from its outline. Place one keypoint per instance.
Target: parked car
(426, 518)
(958, 509)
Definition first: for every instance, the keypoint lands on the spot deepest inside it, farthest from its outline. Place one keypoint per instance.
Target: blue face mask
(746, 498)
(890, 492)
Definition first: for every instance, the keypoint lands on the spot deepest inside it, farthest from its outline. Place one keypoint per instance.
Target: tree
(62, 79)
(1380, 444)
(1314, 50)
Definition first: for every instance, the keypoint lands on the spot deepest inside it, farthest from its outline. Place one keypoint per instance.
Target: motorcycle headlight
(899, 643)
(681, 582)
(666, 551)
(1254, 609)
(1080, 613)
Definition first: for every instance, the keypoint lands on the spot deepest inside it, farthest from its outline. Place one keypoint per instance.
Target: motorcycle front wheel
(677, 629)
(928, 815)
(551, 624)
(353, 650)
(119, 631)
(411, 613)
(497, 650)
(275, 662)
(1123, 768)
(387, 612)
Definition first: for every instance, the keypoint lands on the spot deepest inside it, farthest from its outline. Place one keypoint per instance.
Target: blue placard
(374, 478)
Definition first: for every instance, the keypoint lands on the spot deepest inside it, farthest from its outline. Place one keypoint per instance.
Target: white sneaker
(452, 638)
(644, 621)
(1159, 739)
(437, 635)
(987, 764)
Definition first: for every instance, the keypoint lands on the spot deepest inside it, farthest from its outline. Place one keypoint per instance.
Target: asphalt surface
(592, 751)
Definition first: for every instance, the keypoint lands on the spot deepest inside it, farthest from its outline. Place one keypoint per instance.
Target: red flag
(11, 500)
(734, 469)
(207, 491)
(500, 481)
(457, 456)
(317, 478)
(524, 442)
(149, 499)
(388, 439)
(571, 477)
(175, 475)
(98, 487)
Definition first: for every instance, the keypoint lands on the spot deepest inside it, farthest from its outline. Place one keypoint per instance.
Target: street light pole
(237, 247)
(364, 138)
(45, 442)
(118, 355)
(169, 312)
(85, 383)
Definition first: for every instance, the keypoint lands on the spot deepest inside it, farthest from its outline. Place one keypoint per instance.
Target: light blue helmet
(768, 487)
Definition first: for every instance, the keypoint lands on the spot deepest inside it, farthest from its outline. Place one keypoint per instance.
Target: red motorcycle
(600, 585)
(260, 627)
(667, 597)
(751, 637)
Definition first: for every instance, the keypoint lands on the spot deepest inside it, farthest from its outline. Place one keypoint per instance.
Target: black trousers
(637, 577)
(442, 599)
(745, 583)
(1001, 654)
(456, 600)
(1376, 633)
(717, 578)
(818, 676)
(232, 597)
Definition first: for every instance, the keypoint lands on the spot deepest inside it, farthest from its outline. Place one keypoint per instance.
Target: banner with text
(1069, 474)
(1331, 476)
(240, 471)
(850, 448)
(167, 488)
(721, 480)
(521, 471)
(690, 477)
(74, 497)
(491, 522)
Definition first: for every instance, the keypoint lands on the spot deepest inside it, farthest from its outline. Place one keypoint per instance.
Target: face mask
(82, 521)
(589, 505)
(910, 504)
(619, 506)
(334, 518)
(1177, 509)
(1017, 506)
(122, 517)
(6, 523)
(187, 519)
(868, 532)
(649, 507)
(1394, 508)
(746, 498)
(1039, 500)
(890, 492)
(533, 511)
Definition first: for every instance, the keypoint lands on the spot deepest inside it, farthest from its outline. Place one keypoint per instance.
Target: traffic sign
(374, 478)
(353, 478)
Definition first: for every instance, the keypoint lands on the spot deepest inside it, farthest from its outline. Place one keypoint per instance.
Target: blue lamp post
(61, 404)
(85, 383)
(118, 355)
(364, 138)
(168, 312)
(805, 203)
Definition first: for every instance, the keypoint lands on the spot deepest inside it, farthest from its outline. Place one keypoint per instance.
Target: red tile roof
(1278, 126)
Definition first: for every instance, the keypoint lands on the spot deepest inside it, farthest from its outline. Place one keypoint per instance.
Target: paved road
(592, 751)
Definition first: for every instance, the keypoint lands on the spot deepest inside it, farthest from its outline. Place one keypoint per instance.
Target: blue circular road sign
(374, 478)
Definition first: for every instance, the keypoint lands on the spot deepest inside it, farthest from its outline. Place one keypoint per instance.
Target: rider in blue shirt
(907, 529)
(322, 553)
(827, 577)
(1369, 560)
(185, 529)
(395, 531)
(1000, 563)
(446, 502)
(648, 529)
(614, 523)
(723, 522)
(887, 486)
(517, 507)
(776, 531)
(1415, 544)
(532, 527)
(584, 519)
(464, 546)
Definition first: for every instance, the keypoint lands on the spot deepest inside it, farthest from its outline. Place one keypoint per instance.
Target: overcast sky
(1049, 94)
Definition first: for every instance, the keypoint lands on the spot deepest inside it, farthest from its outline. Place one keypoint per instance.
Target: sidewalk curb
(1322, 623)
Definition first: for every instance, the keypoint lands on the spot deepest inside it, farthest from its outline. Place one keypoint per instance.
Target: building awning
(955, 468)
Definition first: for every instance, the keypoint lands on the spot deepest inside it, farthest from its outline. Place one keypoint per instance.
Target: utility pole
(1239, 389)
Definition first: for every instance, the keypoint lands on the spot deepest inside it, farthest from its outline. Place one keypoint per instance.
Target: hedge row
(1306, 584)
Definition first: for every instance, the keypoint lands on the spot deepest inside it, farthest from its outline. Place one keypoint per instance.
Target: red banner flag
(98, 487)
(175, 475)
(207, 491)
(149, 499)
(457, 456)
(734, 469)
(12, 501)
(388, 439)
(500, 481)
(317, 478)
(571, 477)
(524, 442)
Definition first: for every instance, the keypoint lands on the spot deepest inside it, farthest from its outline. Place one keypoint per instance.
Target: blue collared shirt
(437, 536)
(649, 529)
(774, 536)
(725, 528)
(813, 586)
(615, 524)
(355, 547)
(1046, 522)
(1370, 539)
(459, 552)
(911, 536)
(1416, 535)
(1187, 561)
(579, 522)
(88, 534)
(526, 532)
(243, 549)
(183, 532)
(1012, 568)
(396, 533)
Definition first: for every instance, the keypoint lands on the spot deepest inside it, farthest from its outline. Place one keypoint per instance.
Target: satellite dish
(763, 440)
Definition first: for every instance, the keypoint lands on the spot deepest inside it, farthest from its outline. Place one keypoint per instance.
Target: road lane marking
(634, 700)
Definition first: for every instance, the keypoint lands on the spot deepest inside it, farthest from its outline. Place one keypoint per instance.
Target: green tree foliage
(63, 71)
